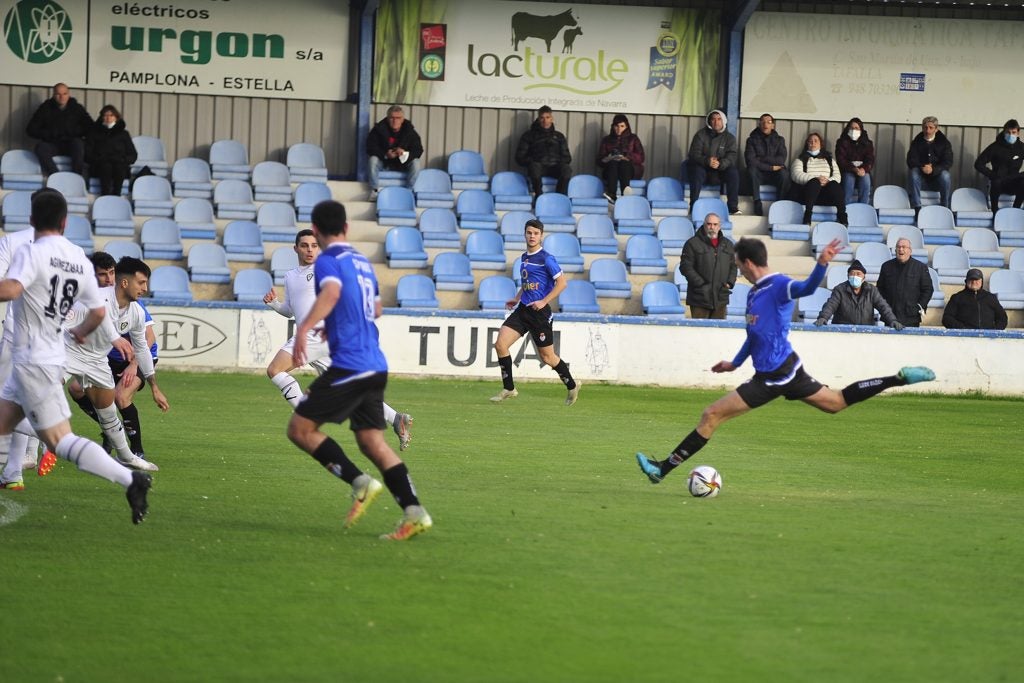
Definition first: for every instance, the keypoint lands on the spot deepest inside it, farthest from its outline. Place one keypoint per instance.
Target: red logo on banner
(432, 37)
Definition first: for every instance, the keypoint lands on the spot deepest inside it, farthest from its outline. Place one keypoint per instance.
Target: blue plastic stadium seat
(666, 197)
(1009, 225)
(597, 234)
(251, 285)
(403, 247)
(705, 205)
(736, 309)
(72, 186)
(466, 169)
(416, 291)
(243, 241)
(170, 284)
(494, 291)
(808, 307)
(893, 205)
(578, 297)
(208, 263)
(786, 218)
(826, 231)
(150, 152)
(190, 177)
(282, 260)
(511, 192)
(20, 170)
(194, 217)
(277, 222)
(151, 196)
(513, 225)
(308, 195)
(566, 250)
(306, 163)
(229, 160)
(862, 224)
(452, 271)
(1008, 285)
(872, 255)
(271, 182)
(554, 210)
(433, 189)
(440, 229)
(586, 192)
(982, 246)
(951, 262)
(673, 232)
(113, 216)
(661, 298)
(610, 280)
(17, 210)
(644, 256)
(633, 216)
(970, 205)
(486, 250)
(79, 232)
(396, 206)
(121, 248)
(475, 209)
(938, 225)
(161, 239)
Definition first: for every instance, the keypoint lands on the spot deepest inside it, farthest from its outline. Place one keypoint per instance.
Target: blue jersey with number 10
(351, 331)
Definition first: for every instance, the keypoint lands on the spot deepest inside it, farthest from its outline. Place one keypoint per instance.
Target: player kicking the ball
(299, 296)
(778, 371)
(352, 388)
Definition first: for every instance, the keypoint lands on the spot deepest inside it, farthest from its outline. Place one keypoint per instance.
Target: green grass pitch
(881, 544)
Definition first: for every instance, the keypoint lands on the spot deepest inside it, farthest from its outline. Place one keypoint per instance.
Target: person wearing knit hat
(620, 157)
(855, 301)
(712, 159)
(974, 307)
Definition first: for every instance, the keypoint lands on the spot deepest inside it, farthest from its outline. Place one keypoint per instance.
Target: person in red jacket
(620, 157)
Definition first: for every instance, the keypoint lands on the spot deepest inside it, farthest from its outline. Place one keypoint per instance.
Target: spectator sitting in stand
(766, 157)
(109, 151)
(855, 301)
(620, 157)
(855, 154)
(816, 179)
(974, 307)
(545, 152)
(393, 144)
(1001, 162)
(59, 124)
(712, 159)
(929, 159)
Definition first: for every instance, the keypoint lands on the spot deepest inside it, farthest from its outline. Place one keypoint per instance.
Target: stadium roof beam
(736, 22)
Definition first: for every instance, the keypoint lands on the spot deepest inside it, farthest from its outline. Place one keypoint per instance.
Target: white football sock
(389, 414)
(289, 387)
(16, 451)
(5, 449)
(31, 452)
(89, 457)
(114, 431)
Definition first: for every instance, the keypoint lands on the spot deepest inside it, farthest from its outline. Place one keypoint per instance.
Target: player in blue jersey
(352, 388)
(778, 370)
(542, 282)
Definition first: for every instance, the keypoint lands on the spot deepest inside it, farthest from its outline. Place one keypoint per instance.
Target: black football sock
(690, 445)
(334, 460)
(506, 373)
(563, 373)
(132, 427)
(400, 484)
(87, 407)
(865, 389)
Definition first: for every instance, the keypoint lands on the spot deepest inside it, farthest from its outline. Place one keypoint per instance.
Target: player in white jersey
(87, 363)
(25, 444)
(44, 281)
(299, 296)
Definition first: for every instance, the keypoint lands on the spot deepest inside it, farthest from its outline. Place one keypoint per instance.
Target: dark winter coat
(905, 286)
(628, 145)
(382, 138)
(707, 143)
(1005, 159)
(848, 151)
(969, 310)
(710, 272)
(52, 124)
(764, 151)
(938, 153)
(846, 307)
(545, 146)
(115, 144)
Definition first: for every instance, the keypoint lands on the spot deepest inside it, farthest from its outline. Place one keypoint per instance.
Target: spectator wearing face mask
(855, 154)
(1001, 162)
(855, 301)
(816, 179)
(109, 151)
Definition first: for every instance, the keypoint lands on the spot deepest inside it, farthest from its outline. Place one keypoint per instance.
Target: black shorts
(789, 380)
(340, 394)
(117, 368)
(524, 319)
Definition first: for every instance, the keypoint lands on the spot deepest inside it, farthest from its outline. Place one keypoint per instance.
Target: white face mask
(856, 281)
(1010, 138)
(854, 135)
(814, 152)
(109, 124)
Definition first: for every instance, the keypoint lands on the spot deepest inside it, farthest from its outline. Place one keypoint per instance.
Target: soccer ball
(704, 482)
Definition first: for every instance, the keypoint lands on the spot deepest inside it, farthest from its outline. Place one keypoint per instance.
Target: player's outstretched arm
(723, 366)
(10, 289)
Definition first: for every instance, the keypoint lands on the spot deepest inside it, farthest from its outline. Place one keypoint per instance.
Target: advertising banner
(520, 55)
(244, 48)
(892, 69)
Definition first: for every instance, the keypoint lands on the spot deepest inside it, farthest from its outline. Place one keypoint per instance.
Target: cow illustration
(569, 37)
(525, 25)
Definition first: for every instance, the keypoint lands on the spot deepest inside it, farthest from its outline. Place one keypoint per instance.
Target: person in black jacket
(1001, 162)
(905, 284)
(710, 272)
(60, 124)
(766, 157)
(545, 152)
(973, 307)
(929, 159)
(393, 144)
(109, 151)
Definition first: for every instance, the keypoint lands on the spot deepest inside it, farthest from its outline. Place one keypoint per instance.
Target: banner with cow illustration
(520, 55)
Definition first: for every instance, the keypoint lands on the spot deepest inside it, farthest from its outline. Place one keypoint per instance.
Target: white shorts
(318, 354)
(40, 393)
(88, 370)
(5, 359)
